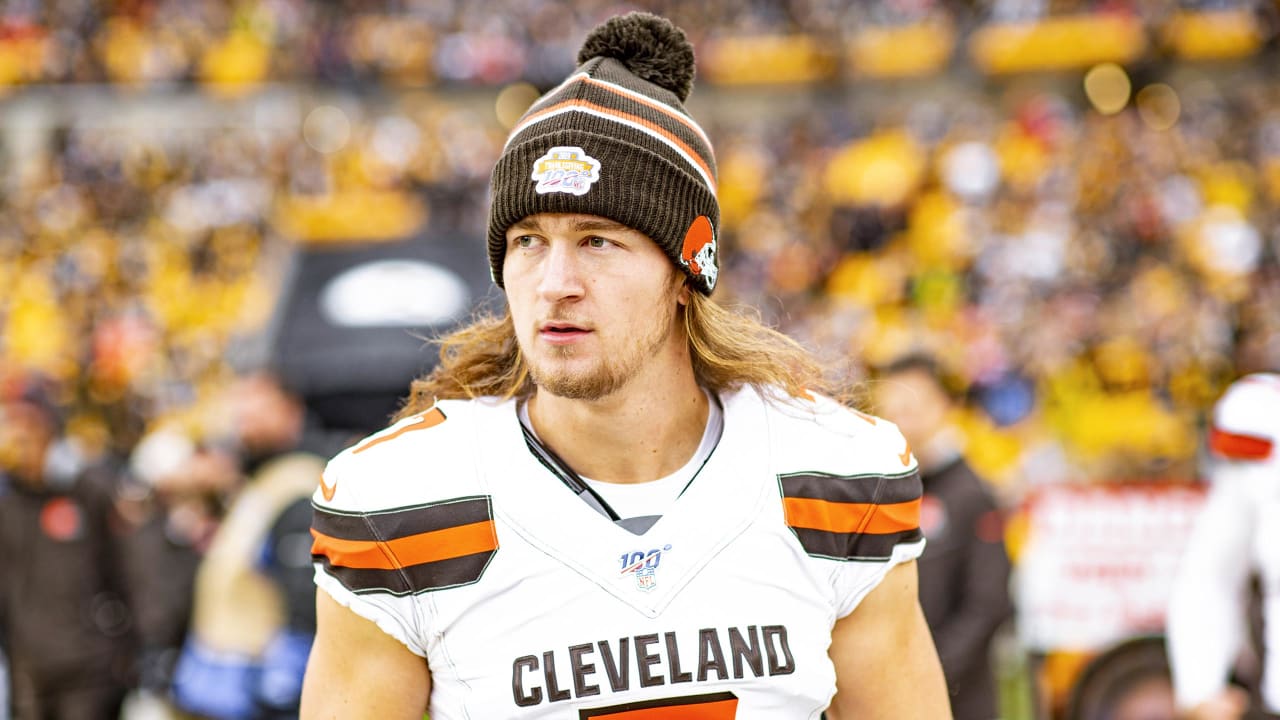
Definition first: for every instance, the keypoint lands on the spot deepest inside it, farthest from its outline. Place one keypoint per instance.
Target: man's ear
(683, 296)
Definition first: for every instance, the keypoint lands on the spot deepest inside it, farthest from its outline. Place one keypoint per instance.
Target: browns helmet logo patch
(698, 253)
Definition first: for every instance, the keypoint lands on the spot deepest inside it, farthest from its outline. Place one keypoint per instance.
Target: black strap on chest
(571, 479)
(574, 481)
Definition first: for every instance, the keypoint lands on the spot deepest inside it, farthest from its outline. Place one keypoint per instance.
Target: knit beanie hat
(614, 140)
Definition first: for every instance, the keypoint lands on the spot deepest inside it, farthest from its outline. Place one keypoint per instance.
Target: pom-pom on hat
(614, 140)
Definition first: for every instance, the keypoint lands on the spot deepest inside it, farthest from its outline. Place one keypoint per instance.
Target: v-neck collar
(709, 514)
(588, 493)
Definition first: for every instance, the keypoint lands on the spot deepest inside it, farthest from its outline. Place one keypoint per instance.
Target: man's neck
(642, 432)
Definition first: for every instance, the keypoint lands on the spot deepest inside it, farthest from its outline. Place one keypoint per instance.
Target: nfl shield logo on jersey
(644, 566)
(646, 578)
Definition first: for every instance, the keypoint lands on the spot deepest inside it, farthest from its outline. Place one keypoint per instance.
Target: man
(964, 573)
(1236, 537)
(64, 611)
(253, 613)
(618, 499)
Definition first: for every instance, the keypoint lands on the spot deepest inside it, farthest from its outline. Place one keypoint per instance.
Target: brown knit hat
(614, 140)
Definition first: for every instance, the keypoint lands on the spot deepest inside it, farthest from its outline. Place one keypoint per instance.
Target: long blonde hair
(730, 347)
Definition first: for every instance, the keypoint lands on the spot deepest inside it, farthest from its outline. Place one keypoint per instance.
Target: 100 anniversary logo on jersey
(644, 565)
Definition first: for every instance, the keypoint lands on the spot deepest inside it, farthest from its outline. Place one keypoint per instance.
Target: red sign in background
(1099, 562)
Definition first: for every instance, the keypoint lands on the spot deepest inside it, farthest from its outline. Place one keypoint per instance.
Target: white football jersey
(451, 534)
(1236, 535)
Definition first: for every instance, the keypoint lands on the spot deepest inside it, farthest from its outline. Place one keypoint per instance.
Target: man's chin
(585, 385)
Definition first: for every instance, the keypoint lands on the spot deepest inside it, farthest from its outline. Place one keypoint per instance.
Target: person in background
(173, 494)
(1235, 539)
(5, 703)
(253, 616)
(964, 572)
(64, 607)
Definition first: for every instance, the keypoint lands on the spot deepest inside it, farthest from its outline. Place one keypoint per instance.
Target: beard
(609, 374)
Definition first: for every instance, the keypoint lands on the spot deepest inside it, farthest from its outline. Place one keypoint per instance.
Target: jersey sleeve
(861, 517)
(356, 564)
(399, 515)
(889, 534)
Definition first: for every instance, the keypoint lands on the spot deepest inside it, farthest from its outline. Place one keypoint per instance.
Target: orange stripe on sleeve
(894, 517)
(407, 551)
(852, 517)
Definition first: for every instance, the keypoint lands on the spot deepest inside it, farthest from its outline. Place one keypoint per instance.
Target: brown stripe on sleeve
(401, 522)
(852, 546)
(406, 550)
(858, 517)
(440, 575)
(869, 488)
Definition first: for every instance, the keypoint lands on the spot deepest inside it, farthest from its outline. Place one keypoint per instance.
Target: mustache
(562, 315)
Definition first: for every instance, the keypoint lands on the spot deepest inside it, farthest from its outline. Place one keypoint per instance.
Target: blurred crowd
(136, 259)
(1087, 274)
(1088, 279)
(424, 42)
(1088, 282)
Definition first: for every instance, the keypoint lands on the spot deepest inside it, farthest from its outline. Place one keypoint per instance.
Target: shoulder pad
(832, 437)
(402, 511)
(425, 455)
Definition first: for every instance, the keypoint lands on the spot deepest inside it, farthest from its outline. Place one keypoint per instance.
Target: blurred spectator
(175, 496)
(254, 612)
(64, 610)
(4, 682)
(964, 572)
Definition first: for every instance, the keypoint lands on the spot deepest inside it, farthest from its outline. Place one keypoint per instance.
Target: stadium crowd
(419, 42)
(1088, 281)
(1077, 306)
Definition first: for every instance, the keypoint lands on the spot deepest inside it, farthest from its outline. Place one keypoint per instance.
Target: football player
(618, 499)
(1236, 537)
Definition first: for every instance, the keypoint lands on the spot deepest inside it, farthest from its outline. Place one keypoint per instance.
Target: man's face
(913, 401)
(25, 434)
(267, 419)
(593, 301)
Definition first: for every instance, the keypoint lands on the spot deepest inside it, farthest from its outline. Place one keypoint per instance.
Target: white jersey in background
(452, 533)
(1237, 534)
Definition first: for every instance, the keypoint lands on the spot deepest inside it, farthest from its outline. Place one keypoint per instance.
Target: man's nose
(561, 273)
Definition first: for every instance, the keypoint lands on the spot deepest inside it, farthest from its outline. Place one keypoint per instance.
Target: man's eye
(524, 241)
(597, 242)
